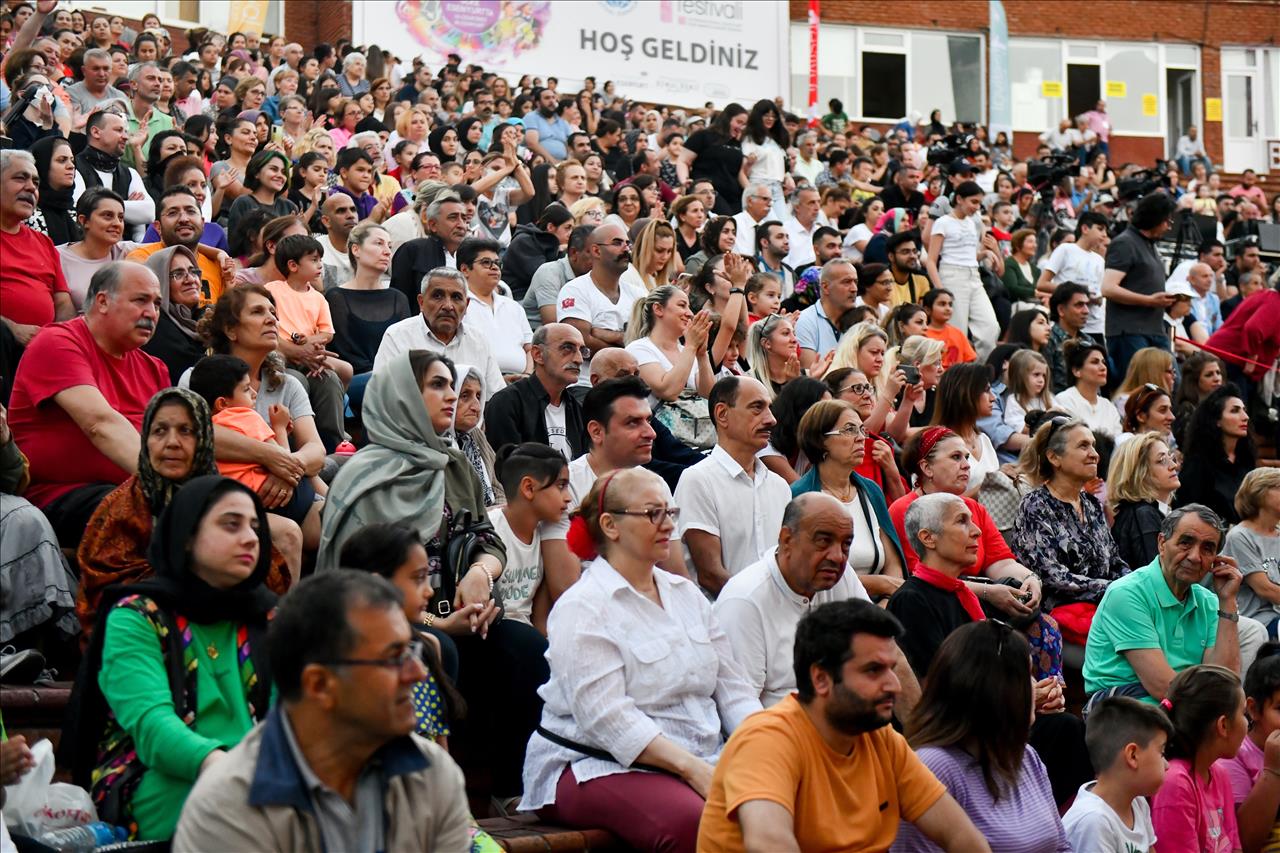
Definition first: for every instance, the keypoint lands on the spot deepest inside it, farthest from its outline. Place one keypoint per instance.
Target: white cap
(1179, 287)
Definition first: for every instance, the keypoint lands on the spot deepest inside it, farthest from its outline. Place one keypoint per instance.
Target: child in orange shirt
(223, 382)
(938, 303)
(306, 326)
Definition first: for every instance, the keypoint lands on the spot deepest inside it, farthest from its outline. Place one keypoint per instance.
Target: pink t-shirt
(1190, 815)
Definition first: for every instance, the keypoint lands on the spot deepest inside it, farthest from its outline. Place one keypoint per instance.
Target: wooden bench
(525, 834)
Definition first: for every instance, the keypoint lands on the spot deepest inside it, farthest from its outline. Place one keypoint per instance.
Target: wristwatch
(734, 290)
(1230, 617)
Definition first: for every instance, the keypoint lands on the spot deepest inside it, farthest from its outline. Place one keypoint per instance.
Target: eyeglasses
(654, 514)
(184, 272)
(850, 431)
(859, 388)
(489, 263)
(616, 242)
(568, 347)
(412, 653)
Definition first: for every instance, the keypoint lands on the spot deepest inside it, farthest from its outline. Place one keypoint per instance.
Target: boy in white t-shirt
(1126, 741)
(1080, 262)
(535, 478)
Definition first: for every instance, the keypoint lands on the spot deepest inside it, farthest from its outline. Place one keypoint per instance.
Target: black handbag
(462, 545)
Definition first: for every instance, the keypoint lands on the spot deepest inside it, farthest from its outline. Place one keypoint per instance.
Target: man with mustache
(537, 408)
(446, 225)
(1158, 620)
(439, 328)
(760, 607)
(80, 393)
(33, 289)
(731, 505)
(822, 769)
(599, 303)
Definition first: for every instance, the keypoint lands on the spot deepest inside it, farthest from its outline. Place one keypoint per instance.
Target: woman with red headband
(642, 678)
(937, 460)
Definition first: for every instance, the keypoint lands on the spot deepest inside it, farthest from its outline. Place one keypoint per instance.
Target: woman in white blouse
(670, 367)
(500, 318)
(1087, 365)
(642, 679)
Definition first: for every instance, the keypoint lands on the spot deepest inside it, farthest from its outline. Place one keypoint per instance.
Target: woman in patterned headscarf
(177, 445)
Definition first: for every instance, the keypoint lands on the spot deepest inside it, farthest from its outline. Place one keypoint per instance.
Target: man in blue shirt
(817, 329)
(545, 133)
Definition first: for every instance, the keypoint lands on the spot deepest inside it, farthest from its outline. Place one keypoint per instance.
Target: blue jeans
(1121, 348)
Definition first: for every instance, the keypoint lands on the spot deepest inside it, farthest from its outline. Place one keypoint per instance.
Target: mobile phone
(911, 372)
(277, 133)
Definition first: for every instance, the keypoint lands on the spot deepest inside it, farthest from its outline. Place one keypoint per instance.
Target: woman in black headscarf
(195, 633)
(56, 213)
(464, 131)
(443, 142)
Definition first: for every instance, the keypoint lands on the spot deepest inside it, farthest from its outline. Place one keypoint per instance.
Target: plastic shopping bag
(36, 804)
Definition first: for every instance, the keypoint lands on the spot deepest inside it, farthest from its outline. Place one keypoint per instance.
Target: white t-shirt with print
(557, 433)
(523, 571)
(580, 299)
(1091, 824)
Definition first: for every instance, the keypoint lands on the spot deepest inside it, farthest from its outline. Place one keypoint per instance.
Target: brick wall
(309, 22)
(1206, 23)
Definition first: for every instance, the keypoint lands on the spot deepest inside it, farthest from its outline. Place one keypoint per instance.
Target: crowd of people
(654, 461)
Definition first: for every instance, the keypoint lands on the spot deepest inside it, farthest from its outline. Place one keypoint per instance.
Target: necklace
(849, 491)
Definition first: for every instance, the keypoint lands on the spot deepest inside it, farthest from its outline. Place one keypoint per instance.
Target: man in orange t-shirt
(822, 770)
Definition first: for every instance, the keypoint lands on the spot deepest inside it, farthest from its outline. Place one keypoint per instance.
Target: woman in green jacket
(176, 673)
(1020, 274)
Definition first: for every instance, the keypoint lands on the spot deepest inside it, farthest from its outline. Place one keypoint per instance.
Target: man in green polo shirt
(142, 113)
(1160, 620)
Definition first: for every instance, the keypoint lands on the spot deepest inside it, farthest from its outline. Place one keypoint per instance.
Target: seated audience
(794, 777)
(1140, 484)
(662, 697)
(1218, 453)
(1160, 619)
(731, 503)
(1194, 808)
(141, 736)
(78, 399)
(831, 432)
(407, 473)
(782, 455)
(497, 317)
(1087, 365)
(1149, 409)
(446, 227)
(180, 223)
(670, 343)
(878, 462)
(940, 303)
(1202, 374)
(972, 729)
(1251, 770)
(1126, 741)
(1061, 533)
(336, 720)
(176, 340)
(467, 436)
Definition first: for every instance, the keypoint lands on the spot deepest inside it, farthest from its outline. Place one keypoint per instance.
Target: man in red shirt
(33, 290)
(80, 393)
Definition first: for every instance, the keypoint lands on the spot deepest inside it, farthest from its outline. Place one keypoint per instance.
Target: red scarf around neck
(968, 600)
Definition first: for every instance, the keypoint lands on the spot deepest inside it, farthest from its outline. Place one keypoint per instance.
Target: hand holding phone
(911, 372)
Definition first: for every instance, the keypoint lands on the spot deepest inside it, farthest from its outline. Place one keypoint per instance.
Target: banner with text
(682, 52)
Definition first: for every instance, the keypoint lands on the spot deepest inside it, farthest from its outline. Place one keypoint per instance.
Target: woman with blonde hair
(772, 354)
(590, 210)
(654, 257)
(414, 124)
(1255, 544)
(1149, 365)
(668, 366)
(1140, 485)
(925, 355)
(317, 139)
(1027, 389)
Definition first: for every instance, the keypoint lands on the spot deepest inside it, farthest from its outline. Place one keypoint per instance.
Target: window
(884, 85)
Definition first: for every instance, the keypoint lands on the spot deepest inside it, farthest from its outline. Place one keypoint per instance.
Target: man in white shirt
(1190, 148)
(598, 304)
(808, 166)
(339, 216)
(756, 201)
(801, 225)
(731, 504)
(439, 328)
(760, 606)
(1081, 262)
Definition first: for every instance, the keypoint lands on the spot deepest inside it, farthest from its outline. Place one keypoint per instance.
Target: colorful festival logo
(480, 30)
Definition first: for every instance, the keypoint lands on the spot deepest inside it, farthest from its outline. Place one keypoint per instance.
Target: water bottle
(82, 839)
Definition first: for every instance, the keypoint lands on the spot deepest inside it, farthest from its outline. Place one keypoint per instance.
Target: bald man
(339, 215)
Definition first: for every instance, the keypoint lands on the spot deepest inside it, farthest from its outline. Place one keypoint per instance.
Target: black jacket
(670, 455)
(530, 248)
(411, 263)
(517, 414)
(1135, 529)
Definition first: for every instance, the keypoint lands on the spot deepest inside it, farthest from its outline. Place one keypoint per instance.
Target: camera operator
(1133, 283)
